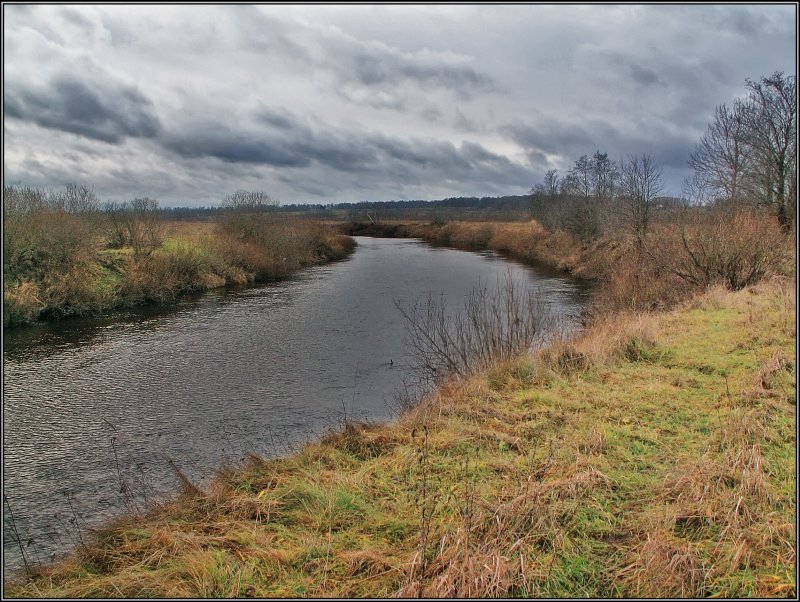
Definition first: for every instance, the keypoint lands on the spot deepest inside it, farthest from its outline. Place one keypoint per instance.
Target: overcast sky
(344, 103)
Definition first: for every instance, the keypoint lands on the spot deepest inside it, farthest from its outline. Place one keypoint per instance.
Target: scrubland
(64, 255)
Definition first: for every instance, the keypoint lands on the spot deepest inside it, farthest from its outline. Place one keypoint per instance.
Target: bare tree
(697, 190)
(246, 213)
(640, 184)
(581, 207)
(605, 175)
(771, 129)
(578, 181)
(546, 200)
(250, 201)
(551, 181)
(721, 156)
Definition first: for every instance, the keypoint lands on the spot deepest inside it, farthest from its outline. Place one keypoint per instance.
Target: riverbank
(680, 257)
(652, 457)
(190, 257)
(526, 241)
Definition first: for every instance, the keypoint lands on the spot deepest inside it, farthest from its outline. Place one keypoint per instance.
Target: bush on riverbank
(64, 256)
(652, 456)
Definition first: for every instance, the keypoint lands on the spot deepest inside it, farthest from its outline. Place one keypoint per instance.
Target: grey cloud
(204, 140)
(554, 137)
(78, 19)
(743, 20)
(281, 120)
(258, 31)
(645, 76)
(372, 97)
(281, 140)
(419, 154)
(670, 148)
(367, 103)
(104, 111)
(385, 67)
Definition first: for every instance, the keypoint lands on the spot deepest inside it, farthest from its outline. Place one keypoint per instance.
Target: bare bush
(641, 183)
(736, 248)
(495, 324)
(46, 232)
(248, 214)
(137, 223)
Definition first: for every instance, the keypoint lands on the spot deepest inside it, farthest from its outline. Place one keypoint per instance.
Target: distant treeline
(509, 203)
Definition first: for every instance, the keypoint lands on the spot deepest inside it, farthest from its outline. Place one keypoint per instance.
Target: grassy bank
(59, 264)
(654, 456)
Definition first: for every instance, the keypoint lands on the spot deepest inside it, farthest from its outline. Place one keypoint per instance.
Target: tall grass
(684, 253)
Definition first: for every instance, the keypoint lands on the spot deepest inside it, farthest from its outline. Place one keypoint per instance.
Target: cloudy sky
(347, 103)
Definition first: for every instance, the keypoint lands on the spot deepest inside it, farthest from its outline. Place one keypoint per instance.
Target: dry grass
(683, 253)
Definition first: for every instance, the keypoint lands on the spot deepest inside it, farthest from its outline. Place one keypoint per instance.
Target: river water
(96, 411)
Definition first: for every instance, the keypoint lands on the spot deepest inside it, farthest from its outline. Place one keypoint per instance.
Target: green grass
(662, 465)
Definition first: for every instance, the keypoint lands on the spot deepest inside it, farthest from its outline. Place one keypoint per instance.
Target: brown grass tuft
(367, 563)
(663, 567)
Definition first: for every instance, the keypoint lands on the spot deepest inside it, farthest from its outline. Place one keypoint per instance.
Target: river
(95, 411)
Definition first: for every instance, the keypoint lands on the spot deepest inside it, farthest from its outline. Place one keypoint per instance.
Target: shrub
(43, 233)
(495, 325)
(737, 248)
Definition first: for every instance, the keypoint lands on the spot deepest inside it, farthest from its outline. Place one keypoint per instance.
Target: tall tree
(771, 130)
(605, 175)
(721, 157)
(551, 181)
(545, 201)
(578, 181)
(640, 184)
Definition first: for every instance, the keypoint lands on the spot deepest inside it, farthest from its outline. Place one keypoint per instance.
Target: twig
(16, 534)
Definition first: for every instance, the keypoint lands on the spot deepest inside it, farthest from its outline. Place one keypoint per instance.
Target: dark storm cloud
(105, 111)
(272, 139)
(381, 66)
(279, 139)
(553, 137)
(566, 142)
(233, 147)
(645, 76)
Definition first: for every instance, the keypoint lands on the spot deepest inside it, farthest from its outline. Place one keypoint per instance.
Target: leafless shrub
(47, 237)
(737, 248)
(495, 324)
(137, 223)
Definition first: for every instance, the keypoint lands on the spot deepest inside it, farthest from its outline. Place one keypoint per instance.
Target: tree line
(747, 157)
